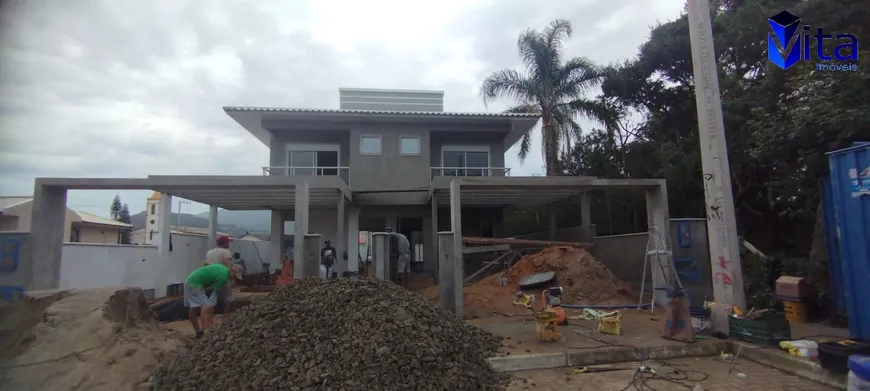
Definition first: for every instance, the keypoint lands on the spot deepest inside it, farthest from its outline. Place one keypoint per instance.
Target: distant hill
(189, 220)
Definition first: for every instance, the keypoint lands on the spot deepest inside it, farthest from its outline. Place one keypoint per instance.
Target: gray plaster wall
(389, 170)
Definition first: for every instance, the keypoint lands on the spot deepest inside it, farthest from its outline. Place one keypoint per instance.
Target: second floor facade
(384, 149)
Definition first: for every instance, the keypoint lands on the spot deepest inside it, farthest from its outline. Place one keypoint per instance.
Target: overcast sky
(109, 88)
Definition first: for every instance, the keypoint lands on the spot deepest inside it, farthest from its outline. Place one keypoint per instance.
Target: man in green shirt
(201, 292)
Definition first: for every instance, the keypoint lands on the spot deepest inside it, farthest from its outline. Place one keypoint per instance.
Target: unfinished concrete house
(384, 158)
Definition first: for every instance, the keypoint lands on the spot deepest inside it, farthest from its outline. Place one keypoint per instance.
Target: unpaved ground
(76, 345)
(693, 370)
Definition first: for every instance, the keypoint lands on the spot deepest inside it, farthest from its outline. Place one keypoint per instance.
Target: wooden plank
(487, 266)
(486, 249)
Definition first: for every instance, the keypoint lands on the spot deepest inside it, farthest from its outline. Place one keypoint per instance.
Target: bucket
(795, 311)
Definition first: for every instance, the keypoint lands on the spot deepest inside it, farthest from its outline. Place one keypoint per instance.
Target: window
(409, 146)
(305, 159)
(462, 161)
(153, 210)
(370, 144)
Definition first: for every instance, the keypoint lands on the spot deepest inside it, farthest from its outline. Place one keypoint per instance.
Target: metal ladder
(657, 253)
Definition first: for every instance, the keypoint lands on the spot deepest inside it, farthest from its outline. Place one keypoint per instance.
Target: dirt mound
(128, 307)
(81, 342)
(583, 278)
(17, 321)
(344, 334)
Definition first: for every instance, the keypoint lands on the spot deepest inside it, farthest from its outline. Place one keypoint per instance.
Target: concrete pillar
(585, 210)
(48, 223)
(434, 250)
(301, 223)
(212, 226)
(340, 239)
(311, 256)
(275, 258)
(658, 222)
(449, 274)
(353, 255)
(458, 267)
(381, 255)
(163, 240)
(551, 222)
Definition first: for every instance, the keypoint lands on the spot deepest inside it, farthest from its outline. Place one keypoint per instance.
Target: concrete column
(551, 222)
(163, 239)
(381, 255)
(435, 245)
(275, 258)
(458, 269)
(340, 239)
(449, 274)
(48, 223)
(353, 255)
(585, 210)
(311, 256)
(212, 226)
(301, 223)
(659, 224)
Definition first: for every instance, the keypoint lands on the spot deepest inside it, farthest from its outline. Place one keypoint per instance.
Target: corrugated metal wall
(850, 190)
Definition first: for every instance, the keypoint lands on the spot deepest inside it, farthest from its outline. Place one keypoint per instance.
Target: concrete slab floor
(757, 377)
(638, 330)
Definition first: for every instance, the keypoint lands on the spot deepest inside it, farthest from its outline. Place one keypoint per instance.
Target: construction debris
(338, 334)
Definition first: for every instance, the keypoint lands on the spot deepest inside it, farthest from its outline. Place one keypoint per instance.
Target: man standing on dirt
(401, 256)
(222, 255)
(201, 293)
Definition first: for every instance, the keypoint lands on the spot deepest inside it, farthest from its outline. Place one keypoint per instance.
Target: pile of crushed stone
(338, 334)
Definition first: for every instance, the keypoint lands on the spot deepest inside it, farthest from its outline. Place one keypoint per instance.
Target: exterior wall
(9, 223)
(97, 234)
(152, 213)
(24, 210)
(282, 138)
(623, 255)
(389, 170)
(493, 140)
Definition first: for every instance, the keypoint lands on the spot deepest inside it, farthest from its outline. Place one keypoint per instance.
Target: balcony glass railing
(307, 171)
(470, 171)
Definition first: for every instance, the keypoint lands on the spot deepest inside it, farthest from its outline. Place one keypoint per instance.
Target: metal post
(381, 255)
(721, 222)
(448, 280)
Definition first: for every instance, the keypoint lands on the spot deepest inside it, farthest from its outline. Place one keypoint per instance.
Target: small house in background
(79, 227)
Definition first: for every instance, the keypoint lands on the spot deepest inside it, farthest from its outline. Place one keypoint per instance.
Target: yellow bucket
(795, 311)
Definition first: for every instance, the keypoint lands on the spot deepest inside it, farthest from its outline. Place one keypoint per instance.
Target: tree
(124, 217)
(115, 209)
(552, 88)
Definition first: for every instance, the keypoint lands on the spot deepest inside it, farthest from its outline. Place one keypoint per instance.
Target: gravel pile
(338, 334)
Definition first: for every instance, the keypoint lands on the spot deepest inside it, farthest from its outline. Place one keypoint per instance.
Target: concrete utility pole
(725, 260)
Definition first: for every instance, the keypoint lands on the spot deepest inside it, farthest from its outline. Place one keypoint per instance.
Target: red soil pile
(583, 279)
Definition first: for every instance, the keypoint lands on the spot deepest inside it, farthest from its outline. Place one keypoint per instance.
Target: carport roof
(526, 191)
(250, 192)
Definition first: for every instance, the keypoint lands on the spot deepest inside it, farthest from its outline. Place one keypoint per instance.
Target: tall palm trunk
(551, 148)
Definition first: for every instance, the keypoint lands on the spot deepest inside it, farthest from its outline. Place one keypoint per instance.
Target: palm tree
(551, 88)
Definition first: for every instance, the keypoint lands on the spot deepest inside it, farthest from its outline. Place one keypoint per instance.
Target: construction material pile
(338, 334)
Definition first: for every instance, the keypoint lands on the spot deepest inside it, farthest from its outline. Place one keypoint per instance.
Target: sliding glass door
(465, 163)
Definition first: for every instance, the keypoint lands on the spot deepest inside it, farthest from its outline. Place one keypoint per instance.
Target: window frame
(380, 144)
(315, 148)
(419, 146)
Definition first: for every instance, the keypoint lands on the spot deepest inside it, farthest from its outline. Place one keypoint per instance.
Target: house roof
(7, 202)
(251, 118)
(88, 218)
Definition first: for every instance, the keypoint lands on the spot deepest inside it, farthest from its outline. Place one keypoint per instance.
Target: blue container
(835, 268)
(850, 190)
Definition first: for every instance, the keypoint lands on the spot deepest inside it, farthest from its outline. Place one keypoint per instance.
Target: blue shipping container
(850, 188)
(835, 268)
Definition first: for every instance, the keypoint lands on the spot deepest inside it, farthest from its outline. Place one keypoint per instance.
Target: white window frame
(419, 145)
(312, 147)
(370, 135)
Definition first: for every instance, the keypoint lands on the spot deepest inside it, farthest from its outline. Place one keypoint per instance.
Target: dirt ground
(710, 373)
(77, 345)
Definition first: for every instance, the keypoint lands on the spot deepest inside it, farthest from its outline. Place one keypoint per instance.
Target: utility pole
(726, 266)
(178, 218)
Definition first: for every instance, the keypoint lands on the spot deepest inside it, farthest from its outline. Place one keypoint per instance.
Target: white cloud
(101, 88)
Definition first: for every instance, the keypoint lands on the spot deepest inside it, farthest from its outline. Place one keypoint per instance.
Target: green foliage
(115, 208)
(124, 217)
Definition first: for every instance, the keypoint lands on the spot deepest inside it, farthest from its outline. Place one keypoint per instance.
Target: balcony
(307, 171)
(471, 171)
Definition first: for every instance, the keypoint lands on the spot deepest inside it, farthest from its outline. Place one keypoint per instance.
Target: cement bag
(678, 322)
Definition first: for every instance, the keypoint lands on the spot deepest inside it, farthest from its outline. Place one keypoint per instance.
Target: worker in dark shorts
(400, 253)
(201, 293)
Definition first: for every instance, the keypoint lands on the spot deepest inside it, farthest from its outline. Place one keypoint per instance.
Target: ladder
(658, 256)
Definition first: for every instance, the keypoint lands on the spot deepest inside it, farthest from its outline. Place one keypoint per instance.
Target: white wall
(85, 265)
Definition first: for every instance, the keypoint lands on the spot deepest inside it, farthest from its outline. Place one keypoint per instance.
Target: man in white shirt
(222, 255)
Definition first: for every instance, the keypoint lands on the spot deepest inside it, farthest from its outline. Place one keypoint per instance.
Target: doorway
(412, 228)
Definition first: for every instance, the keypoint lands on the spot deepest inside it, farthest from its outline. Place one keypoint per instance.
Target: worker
(222, 255)
(401, 257)
(327, 257)
(201, 293)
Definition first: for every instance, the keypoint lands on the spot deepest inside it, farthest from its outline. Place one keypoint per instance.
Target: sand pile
(99, 339)
(583, 278)
(343, 334)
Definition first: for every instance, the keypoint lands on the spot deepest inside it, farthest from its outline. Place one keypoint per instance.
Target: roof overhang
(527, 191)
(253, 119)
(227, 192)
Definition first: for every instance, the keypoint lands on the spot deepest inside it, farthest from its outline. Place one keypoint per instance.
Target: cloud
(101, 88)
